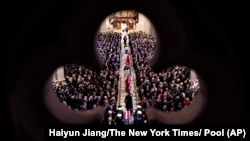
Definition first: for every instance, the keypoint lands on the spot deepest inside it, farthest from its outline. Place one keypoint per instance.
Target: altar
(124, 20)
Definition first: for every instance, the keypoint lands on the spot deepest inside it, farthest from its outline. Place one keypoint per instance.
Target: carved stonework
(129, 17)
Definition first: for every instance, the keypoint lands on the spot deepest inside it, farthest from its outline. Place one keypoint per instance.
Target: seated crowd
(86, 89)
(170, 90)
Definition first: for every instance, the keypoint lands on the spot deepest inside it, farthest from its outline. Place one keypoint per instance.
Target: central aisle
(133, 89)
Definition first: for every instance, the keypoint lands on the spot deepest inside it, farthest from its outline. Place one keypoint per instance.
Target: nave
(126, 85)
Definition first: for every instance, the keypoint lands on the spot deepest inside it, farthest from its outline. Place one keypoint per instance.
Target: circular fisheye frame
(126, 85)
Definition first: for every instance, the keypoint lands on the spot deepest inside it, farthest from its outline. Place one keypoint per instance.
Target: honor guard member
(138, 116)
(119, 116)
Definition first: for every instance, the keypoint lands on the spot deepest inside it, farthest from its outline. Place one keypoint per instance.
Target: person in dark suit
(129, 102)
(125, 40)
(110, 121)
